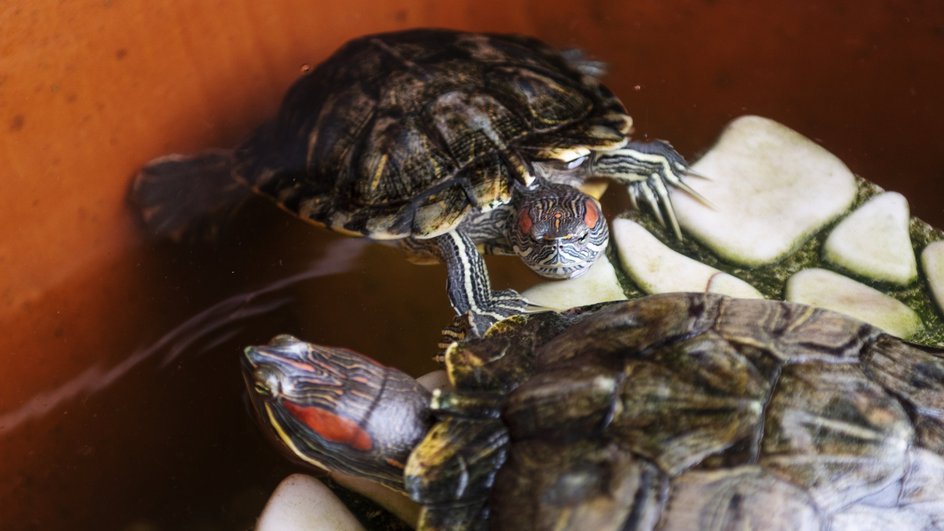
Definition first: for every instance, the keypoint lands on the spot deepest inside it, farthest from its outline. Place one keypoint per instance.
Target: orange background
(91, 90)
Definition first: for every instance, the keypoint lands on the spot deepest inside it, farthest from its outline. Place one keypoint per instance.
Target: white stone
(437, 379)
(830, 290)
(656, 268)
(770, 188)
(874, 241)
(599, 284)
(395, 502)
(302, 503)
(932, 262)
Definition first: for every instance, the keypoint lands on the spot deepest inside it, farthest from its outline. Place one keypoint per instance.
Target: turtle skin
(442, 140)
(406, 134)
(676, 411)
(694, 411)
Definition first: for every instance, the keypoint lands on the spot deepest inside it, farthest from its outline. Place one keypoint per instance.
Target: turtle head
(336, 409)
(559, 231)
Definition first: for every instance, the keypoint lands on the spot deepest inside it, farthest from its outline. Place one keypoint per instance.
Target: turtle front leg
(468, 286)
(646, 168)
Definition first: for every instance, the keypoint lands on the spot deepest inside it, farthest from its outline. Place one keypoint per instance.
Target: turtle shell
(404, 134)
(686, 411)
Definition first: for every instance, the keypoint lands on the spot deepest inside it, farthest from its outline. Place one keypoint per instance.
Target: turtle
(441, 141)
(673, 411)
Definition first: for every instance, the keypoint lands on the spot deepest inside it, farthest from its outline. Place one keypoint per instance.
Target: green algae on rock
(780, 205)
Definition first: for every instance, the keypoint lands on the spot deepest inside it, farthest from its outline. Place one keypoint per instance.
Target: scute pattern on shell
(404, 134)
(697, 411)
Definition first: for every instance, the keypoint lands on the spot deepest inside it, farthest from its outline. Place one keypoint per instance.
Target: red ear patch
(524, 222)
(331, 427)
(592, 216)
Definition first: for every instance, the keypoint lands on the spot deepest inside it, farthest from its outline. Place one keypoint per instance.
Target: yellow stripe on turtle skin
(378, 172)
(284, 437)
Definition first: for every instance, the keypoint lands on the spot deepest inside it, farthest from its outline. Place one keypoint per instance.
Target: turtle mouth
(561, 271)
(562, 262)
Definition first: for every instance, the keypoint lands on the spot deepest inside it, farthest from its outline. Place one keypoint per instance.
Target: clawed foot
(649, 168)
(476, 322)
(478, 306)
(502, 304)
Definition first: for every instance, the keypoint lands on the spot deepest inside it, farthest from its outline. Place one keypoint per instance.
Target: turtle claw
(689, 173)
(512, 302)
(648, 169)
(681, 185)
(504, 303)
(662, 193)
(454, 332)
(522, 305)
(501, 305)
(463, 326)
(646, 190)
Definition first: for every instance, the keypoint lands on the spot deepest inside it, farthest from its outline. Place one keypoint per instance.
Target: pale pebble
(873, 241)
(397, 503)
(302, 503)
(770, 188)
(656, 268)
(435, 380)
(830, 290)
(932, 262)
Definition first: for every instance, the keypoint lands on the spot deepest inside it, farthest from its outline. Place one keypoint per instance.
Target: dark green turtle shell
(685, 411)
(404, 134)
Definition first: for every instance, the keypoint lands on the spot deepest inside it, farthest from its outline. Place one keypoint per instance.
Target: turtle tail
(187, 198)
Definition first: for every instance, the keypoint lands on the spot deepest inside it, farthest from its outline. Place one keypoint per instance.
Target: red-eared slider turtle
(443, 140)
(677, 411)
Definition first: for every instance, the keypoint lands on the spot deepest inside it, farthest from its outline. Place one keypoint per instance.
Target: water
(152, 430)
(120, 403)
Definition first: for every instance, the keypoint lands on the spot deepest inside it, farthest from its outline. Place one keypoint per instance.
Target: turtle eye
(576, 163)
(267, 383)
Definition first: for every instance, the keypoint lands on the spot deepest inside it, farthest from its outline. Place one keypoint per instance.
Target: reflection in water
(215, 325)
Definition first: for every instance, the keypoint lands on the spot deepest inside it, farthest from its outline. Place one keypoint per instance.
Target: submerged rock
(302, 503)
